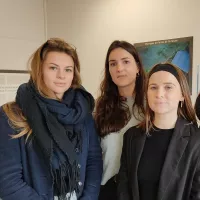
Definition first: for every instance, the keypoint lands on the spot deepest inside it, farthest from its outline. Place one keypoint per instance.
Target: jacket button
(80, 183)
(77, 150)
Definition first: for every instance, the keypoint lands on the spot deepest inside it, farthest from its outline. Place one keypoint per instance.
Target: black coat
(197, 107)
(25, 176)
(180, 175)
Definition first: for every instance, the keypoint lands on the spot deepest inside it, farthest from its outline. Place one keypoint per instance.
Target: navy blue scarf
(56, 129)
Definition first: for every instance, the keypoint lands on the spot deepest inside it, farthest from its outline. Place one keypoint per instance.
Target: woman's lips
(60, 84)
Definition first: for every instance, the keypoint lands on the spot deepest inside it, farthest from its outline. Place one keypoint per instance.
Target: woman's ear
(182, 98)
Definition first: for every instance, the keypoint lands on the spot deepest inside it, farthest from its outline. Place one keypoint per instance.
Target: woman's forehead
(163, 77)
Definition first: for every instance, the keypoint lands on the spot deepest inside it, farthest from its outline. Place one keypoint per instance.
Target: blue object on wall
(182, 60)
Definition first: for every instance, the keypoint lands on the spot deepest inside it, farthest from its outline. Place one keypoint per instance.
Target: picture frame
(178, 51)
(10, 80)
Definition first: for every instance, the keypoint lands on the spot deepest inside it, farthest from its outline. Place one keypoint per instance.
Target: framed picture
(178, 51)
(10, 80)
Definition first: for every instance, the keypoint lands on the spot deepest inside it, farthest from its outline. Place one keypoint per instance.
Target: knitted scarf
(56, 129)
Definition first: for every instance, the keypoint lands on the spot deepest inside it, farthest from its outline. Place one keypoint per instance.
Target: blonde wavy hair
(16, 118)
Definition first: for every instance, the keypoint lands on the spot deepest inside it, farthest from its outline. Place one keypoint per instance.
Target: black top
(151, 162)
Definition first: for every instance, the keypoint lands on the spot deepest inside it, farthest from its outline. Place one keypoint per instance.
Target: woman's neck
(164, 121)
(126, 91)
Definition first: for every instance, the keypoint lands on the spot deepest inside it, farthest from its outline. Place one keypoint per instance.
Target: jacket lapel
(175, 151)
(137, 149)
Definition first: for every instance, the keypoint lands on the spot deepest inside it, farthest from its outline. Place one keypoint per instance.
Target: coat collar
(137, 149)
(175, 151)
(174, 154)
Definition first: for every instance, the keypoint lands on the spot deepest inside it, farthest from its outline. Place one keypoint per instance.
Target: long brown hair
(185, 108)
(12, 110)
(111, 112)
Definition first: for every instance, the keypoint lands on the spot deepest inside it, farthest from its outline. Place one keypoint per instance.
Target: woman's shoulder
(195, 132)
(192, 135)
(3, 117)
(6, 130)
(194, 141)
(134, 131)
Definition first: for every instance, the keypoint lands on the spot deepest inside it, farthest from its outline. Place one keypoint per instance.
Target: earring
(138, 74)
(181, 104)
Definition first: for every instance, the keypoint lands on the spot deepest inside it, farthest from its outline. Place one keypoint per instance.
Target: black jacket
(197, 107)
(180, 176)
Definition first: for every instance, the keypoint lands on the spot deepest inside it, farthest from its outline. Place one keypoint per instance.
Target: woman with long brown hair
(161, 157)
(49, 148)
(119, 106)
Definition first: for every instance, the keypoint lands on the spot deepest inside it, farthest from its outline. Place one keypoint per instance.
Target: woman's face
(122, 68)
(164, 93)
(58, 72)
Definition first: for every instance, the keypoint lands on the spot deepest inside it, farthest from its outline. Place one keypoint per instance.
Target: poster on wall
(178, 51)
(10, 80)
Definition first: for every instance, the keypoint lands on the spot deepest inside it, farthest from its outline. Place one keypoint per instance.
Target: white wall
(22, 30)
(91, 25)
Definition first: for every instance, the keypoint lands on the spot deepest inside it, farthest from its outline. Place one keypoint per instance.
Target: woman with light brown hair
(161, 156)
(119, 106)
(49, 148)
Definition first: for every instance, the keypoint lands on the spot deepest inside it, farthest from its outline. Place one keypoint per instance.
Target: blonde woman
(49, 148)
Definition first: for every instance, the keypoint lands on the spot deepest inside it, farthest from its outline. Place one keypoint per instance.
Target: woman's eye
(53, 68)
(168, 87)
(68, 70)
(112, 64)
(126, 61)
(152, 88)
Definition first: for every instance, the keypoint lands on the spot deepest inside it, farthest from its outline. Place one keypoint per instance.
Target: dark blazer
(180, 176)
(197, 106)
(24, 175)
